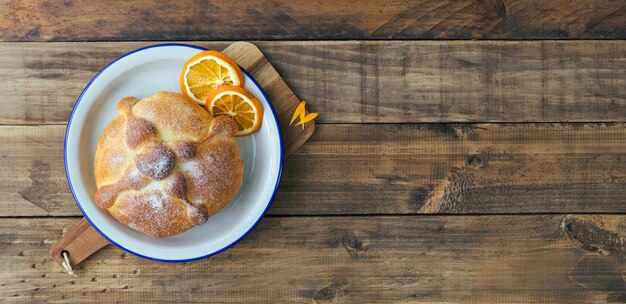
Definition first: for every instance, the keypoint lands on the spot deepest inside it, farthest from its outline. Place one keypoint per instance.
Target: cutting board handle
(79, 242)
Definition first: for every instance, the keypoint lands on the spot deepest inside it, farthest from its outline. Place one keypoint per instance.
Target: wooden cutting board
(83, 240)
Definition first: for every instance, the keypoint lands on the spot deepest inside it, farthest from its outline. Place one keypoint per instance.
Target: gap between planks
(361, 215)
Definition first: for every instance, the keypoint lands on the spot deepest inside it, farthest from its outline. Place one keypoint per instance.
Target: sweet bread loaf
(164, 164)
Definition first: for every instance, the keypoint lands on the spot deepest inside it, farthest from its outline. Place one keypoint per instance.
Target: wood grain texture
(80, 20)
(363, 82)
(386, 169)
(508, 259)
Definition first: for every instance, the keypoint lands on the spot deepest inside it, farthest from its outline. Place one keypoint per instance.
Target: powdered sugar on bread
(180, 165)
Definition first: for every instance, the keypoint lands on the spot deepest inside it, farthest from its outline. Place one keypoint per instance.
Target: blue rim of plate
(69, 182)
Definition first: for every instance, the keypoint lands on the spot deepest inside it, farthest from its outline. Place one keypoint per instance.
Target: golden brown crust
(185, 150)
(163, 165)
(223, 126)
(138, 131)
(155, 161)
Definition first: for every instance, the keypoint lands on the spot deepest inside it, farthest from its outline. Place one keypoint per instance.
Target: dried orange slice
(239, 104)
(205, 72)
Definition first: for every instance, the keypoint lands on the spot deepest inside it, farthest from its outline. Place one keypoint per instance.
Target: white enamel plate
(143, 73)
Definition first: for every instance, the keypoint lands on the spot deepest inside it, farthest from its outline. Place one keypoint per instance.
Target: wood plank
(387, 169)
(81, 20)
(452, 259)
(356, 82)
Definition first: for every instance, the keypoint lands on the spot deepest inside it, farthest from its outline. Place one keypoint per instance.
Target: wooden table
(441, 170)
